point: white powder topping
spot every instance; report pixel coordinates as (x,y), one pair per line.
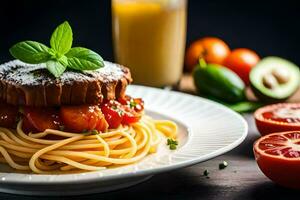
(21,73)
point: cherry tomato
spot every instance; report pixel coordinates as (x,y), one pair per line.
(8,115)
(278,157)
(113,113)
(135,103)
(122,111)
(130,116)
(241,62)
(83,118)
(278,117)
(43,118)
(211,49)
(102,125)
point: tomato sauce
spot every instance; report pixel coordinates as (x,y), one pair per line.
(79,118)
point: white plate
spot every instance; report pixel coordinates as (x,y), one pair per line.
(206,130)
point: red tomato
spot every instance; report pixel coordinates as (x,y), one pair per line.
(135,103)
(43,118)
(278,117)
(83,118)
(211,49)
(8,115)
(113,113)
(102,125)
(130,116)
(278,157)
(241,61)
(117,113)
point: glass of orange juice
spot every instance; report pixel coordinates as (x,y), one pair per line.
(149,37)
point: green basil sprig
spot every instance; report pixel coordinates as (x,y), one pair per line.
(60,55)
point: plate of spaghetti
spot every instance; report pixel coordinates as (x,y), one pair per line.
(120,157)
(71,124)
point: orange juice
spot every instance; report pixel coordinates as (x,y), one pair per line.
(149,37)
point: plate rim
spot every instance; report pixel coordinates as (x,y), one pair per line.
(144,172)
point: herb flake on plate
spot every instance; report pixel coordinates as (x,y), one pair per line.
(172,143)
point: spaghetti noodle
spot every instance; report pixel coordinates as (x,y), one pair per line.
(54,151)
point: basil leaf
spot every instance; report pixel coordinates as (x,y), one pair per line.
(30,52)
(60,56)
(64,61)
(80,58)
(56,68)
(62,38)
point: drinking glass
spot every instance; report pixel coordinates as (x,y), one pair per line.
(149,37)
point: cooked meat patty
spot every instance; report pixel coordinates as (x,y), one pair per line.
(33,85)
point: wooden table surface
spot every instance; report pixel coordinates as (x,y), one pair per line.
(241,180)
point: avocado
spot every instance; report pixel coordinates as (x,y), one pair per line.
(274,79)
(219,82)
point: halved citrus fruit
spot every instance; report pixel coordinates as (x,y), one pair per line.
(278,157)
(277,118)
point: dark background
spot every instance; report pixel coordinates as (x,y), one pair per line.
(270,28)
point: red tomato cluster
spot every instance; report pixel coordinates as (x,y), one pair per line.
(75,118)
(215,50)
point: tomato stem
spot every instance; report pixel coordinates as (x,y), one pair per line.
(202,63)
